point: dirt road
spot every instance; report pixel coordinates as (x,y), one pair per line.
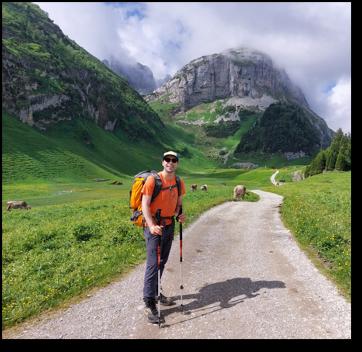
(244,277)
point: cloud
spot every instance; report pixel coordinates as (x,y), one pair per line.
(311,41)
(94,26)
(338,106)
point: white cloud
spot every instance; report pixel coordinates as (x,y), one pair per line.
(339,105)
(312,41)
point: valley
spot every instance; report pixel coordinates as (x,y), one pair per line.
(74,133)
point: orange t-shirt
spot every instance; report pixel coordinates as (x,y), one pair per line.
(166,199)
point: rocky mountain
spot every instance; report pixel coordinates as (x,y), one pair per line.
(48,78)
(139,77)
(245,74)
(235,82)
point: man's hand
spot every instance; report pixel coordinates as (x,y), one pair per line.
(181,218)
(156,230)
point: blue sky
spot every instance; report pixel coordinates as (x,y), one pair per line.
(135,9)
(311,41)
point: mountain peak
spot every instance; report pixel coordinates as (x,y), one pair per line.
(237,72)
(245,52)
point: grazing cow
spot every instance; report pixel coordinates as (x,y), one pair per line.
(239,192)
(17,204)
(193,187)
(203,188)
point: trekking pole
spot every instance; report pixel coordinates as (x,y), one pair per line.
(158,219)
(181,283)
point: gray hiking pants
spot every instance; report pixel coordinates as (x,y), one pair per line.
(150,288)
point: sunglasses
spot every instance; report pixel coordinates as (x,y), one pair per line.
(171,159)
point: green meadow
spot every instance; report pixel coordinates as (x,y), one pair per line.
(78,236)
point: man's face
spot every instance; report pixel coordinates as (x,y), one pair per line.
(170,163)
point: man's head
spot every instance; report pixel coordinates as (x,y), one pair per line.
(170,161)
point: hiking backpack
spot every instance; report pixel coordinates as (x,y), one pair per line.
(135,195)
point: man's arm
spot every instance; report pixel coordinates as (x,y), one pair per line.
(146,210)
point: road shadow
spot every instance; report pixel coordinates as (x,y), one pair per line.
(222,295)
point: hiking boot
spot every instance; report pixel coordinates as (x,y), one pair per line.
(166,301)
(152,313)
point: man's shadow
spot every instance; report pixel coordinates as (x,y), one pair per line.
(222,295)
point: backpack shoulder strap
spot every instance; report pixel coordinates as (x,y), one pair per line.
(158,186)
(178,182)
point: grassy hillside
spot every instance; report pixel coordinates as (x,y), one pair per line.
(48,78)
(81,150)
(71,157)
(28,155)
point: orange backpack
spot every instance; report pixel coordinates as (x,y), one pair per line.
(135,194)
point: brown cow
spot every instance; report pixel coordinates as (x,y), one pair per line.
(193,187)
(239,192)
(17,204)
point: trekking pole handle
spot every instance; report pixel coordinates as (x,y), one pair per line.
(179,213)
(158,216)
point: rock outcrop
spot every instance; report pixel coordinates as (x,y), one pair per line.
(247,74)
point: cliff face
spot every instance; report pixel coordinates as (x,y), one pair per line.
(47,78)
(245,79)
(242,73)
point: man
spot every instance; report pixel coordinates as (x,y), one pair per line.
(169,202)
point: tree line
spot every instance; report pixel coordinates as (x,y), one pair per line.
(336,157)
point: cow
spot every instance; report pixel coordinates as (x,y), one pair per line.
(17,204)
(203,188)
(239,192)
(193,187)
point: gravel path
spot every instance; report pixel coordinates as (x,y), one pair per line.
(272,178)
(244,277)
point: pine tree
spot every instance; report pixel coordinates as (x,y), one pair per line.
(318,164)
(336,157)
(333,150)
(307,171)
(343,162)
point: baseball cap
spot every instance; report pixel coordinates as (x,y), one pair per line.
(171,153)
